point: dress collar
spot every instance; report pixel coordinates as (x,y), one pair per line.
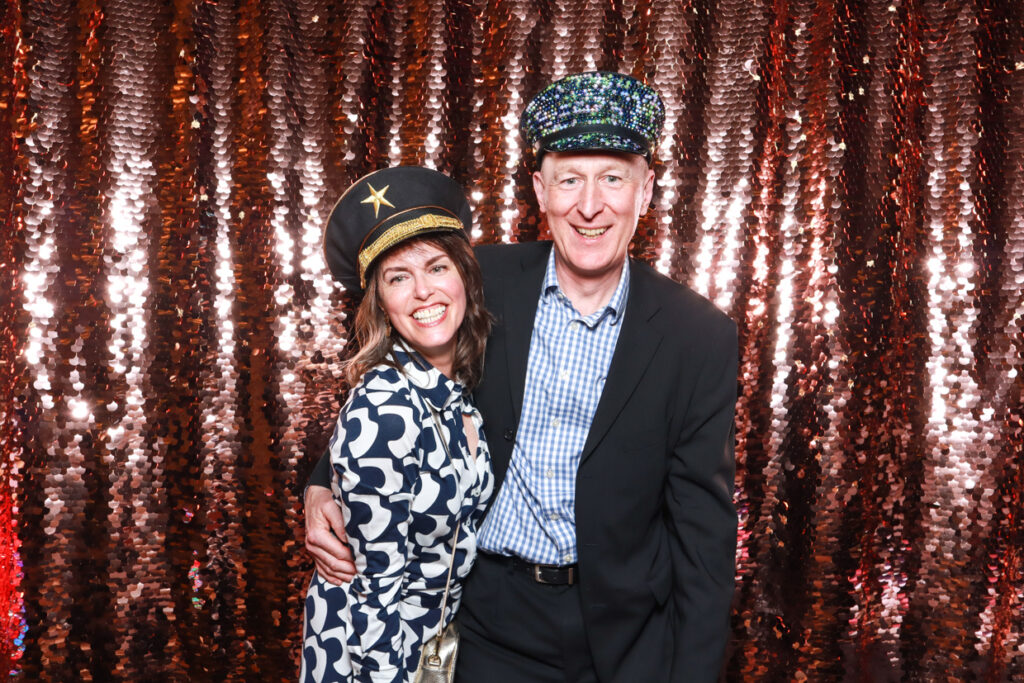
(435,387)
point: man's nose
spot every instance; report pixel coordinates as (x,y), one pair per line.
(590,202)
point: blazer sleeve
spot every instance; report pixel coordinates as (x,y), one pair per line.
(703,522)
(375,460)
(321,474)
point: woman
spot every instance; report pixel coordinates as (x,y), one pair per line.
(400,234)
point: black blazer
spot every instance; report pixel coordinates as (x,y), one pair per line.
(655,522)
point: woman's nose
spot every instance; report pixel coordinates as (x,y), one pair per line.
(423,286)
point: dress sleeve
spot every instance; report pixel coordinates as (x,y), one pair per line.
(375,463)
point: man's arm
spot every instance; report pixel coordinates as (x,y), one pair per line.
(703,529)
(325,527)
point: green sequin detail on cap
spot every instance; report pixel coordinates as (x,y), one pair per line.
(594,99)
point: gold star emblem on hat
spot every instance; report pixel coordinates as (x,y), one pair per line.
(377,198)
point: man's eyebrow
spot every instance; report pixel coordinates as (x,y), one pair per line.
(624,170)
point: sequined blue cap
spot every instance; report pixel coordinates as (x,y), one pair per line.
(598,110)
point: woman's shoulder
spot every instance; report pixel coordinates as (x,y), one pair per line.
(381,381)
(386,384)
(381,408)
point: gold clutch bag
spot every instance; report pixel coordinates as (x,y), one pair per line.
(437,659)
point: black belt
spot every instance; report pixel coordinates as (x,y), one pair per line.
(551,574)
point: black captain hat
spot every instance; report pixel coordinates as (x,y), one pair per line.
(385,208)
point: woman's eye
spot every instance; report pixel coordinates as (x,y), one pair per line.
(439,268)
(395,279)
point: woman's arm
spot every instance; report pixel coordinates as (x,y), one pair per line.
(376,465)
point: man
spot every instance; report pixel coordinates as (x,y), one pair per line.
(608,553)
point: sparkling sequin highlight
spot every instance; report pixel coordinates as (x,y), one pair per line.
(844,179)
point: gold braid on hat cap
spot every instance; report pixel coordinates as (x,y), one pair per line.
(402,231)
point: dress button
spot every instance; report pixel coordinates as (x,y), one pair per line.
(509,434)
(549,474)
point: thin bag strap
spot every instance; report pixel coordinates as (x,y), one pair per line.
(455,541)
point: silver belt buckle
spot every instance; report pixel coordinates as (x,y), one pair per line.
(537,575)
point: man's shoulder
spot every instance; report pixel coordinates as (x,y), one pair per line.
(679,300)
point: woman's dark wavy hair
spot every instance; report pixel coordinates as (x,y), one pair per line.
(374,337)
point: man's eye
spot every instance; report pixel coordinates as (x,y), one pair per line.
(613,179)
(569,182)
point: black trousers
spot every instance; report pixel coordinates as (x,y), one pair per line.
(515,630)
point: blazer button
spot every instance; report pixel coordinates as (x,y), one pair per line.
(509,434)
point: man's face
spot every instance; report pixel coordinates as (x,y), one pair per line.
(592,201)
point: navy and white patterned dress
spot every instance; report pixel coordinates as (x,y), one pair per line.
(402,497)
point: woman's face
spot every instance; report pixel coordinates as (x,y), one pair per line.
(422,294)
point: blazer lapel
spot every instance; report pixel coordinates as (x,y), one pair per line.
(522,291)
(634,350)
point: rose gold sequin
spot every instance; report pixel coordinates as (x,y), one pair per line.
(844,179)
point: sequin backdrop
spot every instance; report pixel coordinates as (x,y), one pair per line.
(844,178)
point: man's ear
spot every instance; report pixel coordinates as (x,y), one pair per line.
(538,191)
(648,190)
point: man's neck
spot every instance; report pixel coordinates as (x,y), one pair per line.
(587,294)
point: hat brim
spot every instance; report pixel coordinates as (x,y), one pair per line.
(594,142)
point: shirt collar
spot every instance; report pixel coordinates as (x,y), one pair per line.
(614,308)
(436,388)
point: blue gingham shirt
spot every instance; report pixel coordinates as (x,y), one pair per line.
(534,514)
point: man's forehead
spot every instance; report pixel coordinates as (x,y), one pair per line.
(590,160)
